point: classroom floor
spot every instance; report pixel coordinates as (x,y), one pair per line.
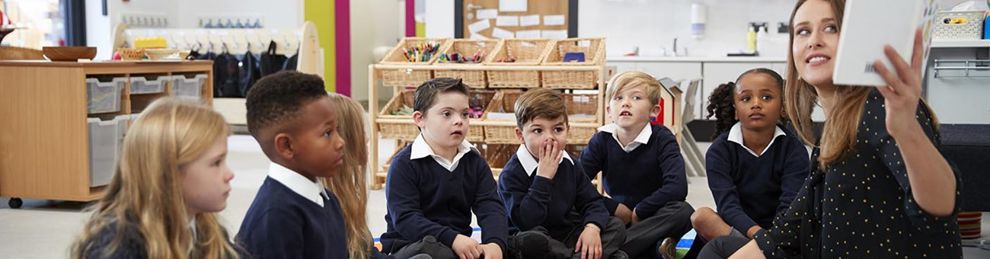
(45,229)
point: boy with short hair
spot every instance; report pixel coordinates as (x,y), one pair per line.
(293,216)
(642,169)
(551,203)
(435,183)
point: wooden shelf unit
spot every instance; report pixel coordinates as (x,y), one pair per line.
(44,149)
(377,173)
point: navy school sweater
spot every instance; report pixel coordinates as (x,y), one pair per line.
(282,224)
(559,205)
(423,198)
(750,190)
(644,179)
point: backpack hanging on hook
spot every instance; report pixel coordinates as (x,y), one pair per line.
(271,61)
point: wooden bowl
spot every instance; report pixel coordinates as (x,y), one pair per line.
(69,53)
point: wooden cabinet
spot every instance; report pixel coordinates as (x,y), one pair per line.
(44,146)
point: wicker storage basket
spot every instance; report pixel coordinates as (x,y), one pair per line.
(472,78)
(497,156)
(593,50)
(480,99)
(968,25)
(499,111)
(409,76)
(582,113)
(525,52)
(398,127)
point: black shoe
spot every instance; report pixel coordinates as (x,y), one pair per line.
(619,254)
(531,244)
(668,248)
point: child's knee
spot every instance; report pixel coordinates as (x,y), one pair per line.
(702,217)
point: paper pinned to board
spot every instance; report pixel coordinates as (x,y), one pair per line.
(554,34)
(553,20)
(479,26)
(478,36)
(513,5)
(502,34)
(487,14)
(507,20)
(529,20)
(528,34)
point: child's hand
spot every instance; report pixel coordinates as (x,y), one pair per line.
(466,248)
(623,213)
(589,245)
(491,251)
(550,155)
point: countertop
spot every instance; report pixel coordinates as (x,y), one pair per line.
(695,59)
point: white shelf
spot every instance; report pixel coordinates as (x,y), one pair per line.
(960,44)
(725,59)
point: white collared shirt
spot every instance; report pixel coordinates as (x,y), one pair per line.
(529,162)
(735,135)
(311,190)
(420,150)
(641,139)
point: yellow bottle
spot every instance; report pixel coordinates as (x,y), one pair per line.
(751,40)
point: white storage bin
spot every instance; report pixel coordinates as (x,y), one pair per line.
(104,97)
(105,141)
(149,84)
(188,86)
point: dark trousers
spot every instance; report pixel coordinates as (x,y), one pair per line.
(426,248)
(539,243)
(723,247)
(643,238)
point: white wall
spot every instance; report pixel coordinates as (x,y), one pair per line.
(652,25)
(439,18)
(99,30)
(118,8)
(374,24)
(274,14)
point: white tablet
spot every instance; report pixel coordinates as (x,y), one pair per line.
(868,25)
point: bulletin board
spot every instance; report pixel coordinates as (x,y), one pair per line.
(496,19)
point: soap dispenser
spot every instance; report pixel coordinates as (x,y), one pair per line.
(751,39)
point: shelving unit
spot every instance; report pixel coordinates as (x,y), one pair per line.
(44,146)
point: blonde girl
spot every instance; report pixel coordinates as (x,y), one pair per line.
(171,180)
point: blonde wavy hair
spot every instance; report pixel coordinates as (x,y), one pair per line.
(349,185)
(146,190)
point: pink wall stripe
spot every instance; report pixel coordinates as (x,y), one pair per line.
(410,18)
(342,25)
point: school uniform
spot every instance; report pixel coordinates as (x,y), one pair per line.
(751,188)
(131,243)
(647,176)
(293,217)
(558,208)
(430,200)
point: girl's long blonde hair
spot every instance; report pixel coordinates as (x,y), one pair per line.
(349,184)
(146,190)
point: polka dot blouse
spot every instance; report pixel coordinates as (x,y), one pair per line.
(861,206)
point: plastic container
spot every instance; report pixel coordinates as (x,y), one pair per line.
(188,87)
(149,84)
(958,25)
(105,141)
(102,96)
